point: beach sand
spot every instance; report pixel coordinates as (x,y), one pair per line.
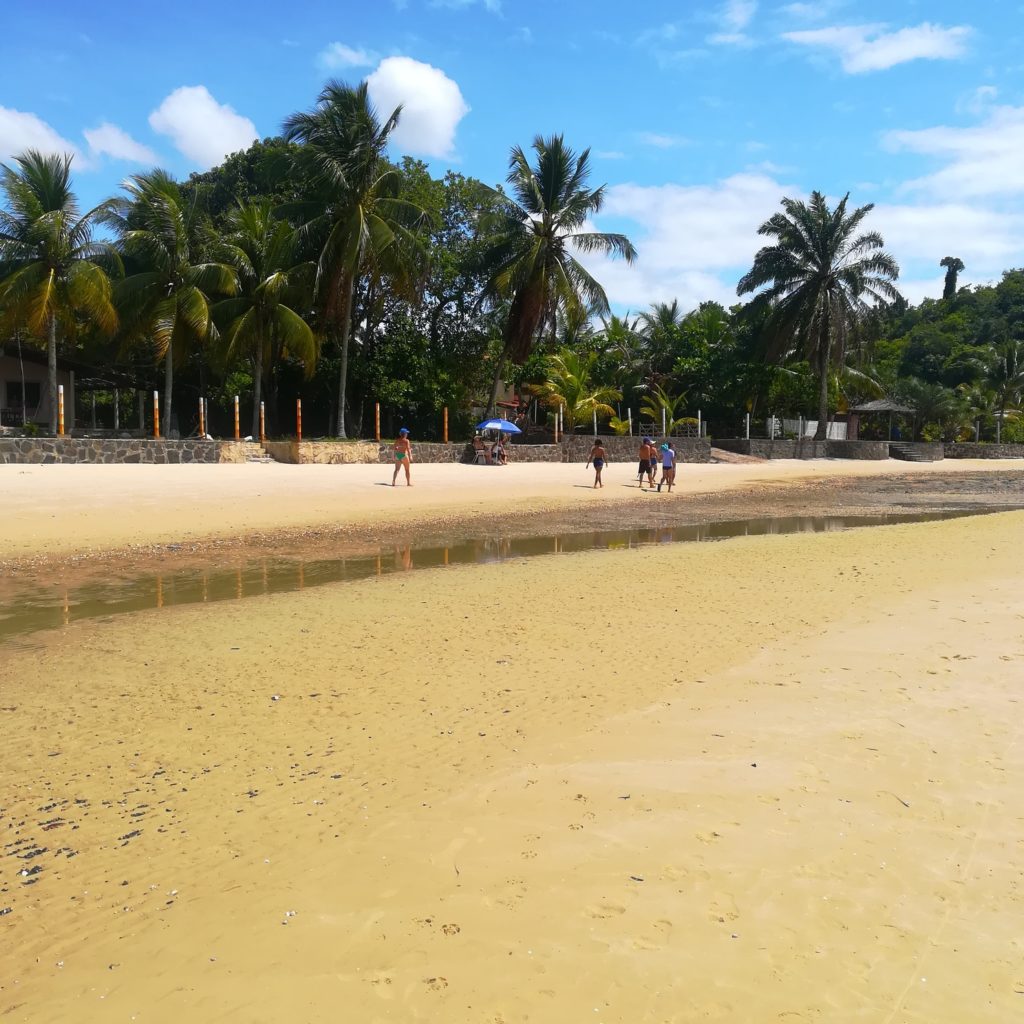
(769,779)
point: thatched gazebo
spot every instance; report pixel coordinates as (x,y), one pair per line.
(884,405)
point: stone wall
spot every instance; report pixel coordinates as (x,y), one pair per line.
(870,450)
(763,448)
(983,450)
(106,451)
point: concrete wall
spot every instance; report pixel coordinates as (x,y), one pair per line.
(108,452)
(983,450)
(804,448)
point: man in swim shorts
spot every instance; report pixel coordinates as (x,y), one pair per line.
(403,456)
(597,456)
(644,467)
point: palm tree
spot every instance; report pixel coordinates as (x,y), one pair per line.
(53,275)
(660,401)
(258,322)
(818,274)
(167,298)
(539,225)
(933,403)
(1005,376)
(357,221)
(569,386)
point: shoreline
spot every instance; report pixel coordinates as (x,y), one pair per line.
(128,518)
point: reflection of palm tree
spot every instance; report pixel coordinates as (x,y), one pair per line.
(569,386)
(818,274)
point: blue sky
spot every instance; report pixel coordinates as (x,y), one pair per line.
(700,116)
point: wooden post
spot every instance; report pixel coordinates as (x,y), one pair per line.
(142,413)
(92,395)
(630,411)
(446,424)
(60,410)
(699,421)
(117,409)
(664,422)
(595,423)
(298,419)
(238,433)
(376,420)
(202,419)
(156,415)
(748,426)
(263,422)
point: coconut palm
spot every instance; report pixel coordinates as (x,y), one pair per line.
(53,268)
(357,221)
(1004,375)
(539,226)
(659,402)
(817,278)
(259,323)
(569,386)
(167,297)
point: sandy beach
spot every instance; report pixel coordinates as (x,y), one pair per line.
(473,794)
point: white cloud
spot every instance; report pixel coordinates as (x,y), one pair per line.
(661,141)
(977,101)
(494,6)
(116,143)
(864,48)
(432,104)
(336,56)
(734,17)
(201,128)
(610,154)
(983,160)
(20,130)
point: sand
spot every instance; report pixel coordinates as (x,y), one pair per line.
(768,779)
(63,510)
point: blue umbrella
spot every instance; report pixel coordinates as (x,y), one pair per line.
(496,424)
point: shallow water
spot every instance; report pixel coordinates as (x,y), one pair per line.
(30,608)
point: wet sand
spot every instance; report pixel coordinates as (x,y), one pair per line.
(475,799)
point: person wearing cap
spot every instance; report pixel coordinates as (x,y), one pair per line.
(668,465)
(403,456)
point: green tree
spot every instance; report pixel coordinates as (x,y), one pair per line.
(166,294)
(533,267)
(953,267)
(816,279)
(259,323)
(356,220)
(664,407)
(1004,375)
(570,386)
(53,268)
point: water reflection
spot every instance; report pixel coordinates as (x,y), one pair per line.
(28,608)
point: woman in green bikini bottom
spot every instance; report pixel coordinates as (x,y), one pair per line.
(403,456)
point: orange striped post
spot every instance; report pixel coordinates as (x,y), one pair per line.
(202,419)
(238,433)
(263,422)
(376,420)
(298,419)
(446,424)
(156,415)
(60,410)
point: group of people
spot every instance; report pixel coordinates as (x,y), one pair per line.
(495,454)
(650,455)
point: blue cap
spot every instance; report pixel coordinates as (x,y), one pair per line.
(404,430)
(647,439)
(665,447)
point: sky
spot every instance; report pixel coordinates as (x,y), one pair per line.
(700,116)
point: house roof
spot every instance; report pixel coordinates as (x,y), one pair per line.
(882,405)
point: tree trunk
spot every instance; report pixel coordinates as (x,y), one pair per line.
(51,371)
(822,432)
(257,390)
(491,405)
(168,391)
(345,328)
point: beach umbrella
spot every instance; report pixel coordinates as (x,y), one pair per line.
(495,424)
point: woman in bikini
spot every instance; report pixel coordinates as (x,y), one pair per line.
(403,456)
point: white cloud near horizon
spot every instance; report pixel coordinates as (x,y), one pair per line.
(432,105)
(110,140)
(21,130)
(336,56)
(202,129)
(986,159)
(863,48)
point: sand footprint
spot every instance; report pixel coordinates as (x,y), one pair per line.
(605,909)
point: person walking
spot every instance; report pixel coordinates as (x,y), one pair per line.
(597,456)
(668,466)
(645,456)
(403,456)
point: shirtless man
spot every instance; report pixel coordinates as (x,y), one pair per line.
(644,468)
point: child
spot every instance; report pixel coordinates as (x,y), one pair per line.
(597,456)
